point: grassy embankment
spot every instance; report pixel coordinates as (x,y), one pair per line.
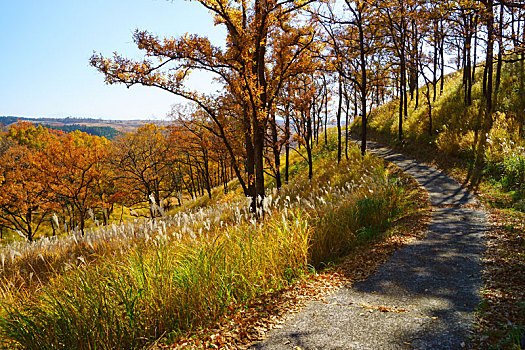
(125,286)
(451,147)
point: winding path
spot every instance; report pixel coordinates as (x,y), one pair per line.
(423,297)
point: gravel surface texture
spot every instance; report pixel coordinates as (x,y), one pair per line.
(423,297)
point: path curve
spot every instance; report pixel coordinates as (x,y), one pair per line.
(423,297)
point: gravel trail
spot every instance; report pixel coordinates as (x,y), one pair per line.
(423,297)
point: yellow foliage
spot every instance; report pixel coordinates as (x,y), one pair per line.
(454,143)
(503,138)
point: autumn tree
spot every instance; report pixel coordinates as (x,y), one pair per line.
(354,42)
(143,163)
(304,91)
(200,140)
(264,48)
(395,18)
(26,197)
(73,164)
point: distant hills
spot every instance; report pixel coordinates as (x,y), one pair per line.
(98,127)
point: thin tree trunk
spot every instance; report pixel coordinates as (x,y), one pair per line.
(276,152)
(29,221)
(338,117)
(346,123)
(442,55)
(429,111)
(500,54)
(259,162)
(437,40)
(82,220)
(326,116)
(475,59)
(467,73)
(207,179)
(400,126)
(287,144)
(250,156)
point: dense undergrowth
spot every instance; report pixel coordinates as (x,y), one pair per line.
(500,319)
(126,286)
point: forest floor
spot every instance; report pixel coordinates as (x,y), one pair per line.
(423,297)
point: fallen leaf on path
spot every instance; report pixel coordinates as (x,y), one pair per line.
(384,309)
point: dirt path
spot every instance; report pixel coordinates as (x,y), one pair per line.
(423,297)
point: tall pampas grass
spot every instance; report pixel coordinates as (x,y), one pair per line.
(124,286)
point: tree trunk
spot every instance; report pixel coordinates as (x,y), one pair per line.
(307,117)
(489,60)
(191,177)
(29,221)
(82,217)
(347,95)
(500,53)
(429,111)
(250,156)
(287,144)
(437,40)
(442,55)
(364,87)
(276,152)
(467,75)
(207,179)
(521,116)
(338,117)
(326,116)
(475,58)
(401,101)
(259,163)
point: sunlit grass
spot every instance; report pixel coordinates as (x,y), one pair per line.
(125,286)
(452,144)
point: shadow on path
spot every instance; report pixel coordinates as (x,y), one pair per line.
(433,284)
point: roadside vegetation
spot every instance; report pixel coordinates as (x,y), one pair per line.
(161,230)
(126,286)
(453,146)
(453,142)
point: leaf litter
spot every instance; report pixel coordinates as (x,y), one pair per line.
(500,320)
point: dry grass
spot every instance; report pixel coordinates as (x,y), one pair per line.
(125,286)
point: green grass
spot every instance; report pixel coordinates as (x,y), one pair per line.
(196,266)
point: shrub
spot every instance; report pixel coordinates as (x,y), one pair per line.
(514,174)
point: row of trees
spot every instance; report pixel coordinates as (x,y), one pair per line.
(283,58)
(402,44)
(285,64)
(48,176)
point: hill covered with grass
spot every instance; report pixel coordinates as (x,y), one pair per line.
(452,140)
(127,286)
(451,145)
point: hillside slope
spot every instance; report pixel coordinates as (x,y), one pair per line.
(451,146)
(452,140)
(125,286)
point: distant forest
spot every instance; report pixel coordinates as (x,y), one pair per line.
(10,120)
(105,131)
(71,124)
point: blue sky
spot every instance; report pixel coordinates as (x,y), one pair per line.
(46,46)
